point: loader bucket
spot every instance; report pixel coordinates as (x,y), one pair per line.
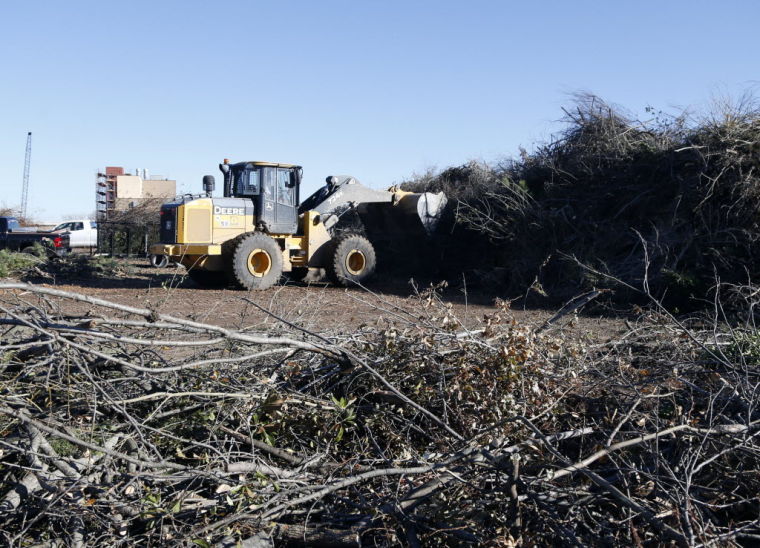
(426,206)
(412,215)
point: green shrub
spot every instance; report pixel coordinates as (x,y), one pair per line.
(38,250)
(85,266)
(744,348)
(13,264)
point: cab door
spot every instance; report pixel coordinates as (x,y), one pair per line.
(286,210)
(77,235)
(268,213)
(278,207)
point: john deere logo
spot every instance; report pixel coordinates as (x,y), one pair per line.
(218,210)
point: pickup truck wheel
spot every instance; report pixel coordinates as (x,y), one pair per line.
(255,261)
(31,250)
(158,261)
(210,279)
(353,260)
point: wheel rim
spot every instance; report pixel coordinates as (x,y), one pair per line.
(259,263)
(159,261)
(355,262)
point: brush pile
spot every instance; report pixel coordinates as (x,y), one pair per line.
(14,264)
(78,266)
(673,201)
(50,267)
(123,426)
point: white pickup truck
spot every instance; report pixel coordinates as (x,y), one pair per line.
(83,233)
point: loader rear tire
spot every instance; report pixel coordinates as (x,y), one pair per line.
(353,260)
(209,279)
(255,261)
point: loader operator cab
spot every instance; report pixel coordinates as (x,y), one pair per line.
(272,188)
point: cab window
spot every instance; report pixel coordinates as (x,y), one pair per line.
(284,189)
(247,182)
(269,183)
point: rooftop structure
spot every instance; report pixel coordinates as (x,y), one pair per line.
(117,191)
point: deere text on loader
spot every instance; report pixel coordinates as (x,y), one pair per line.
(261,229)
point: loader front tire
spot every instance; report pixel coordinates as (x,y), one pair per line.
(256,261)
(353,260)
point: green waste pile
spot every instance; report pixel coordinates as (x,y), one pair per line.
(672,203)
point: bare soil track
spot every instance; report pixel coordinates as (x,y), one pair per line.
(318,307)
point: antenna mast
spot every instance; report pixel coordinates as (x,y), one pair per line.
(25,184)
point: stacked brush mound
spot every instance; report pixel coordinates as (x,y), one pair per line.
(671,201)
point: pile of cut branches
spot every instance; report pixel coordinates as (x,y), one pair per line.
(123,425)
(675,199)
(48,266)
(17,265)
(78,266)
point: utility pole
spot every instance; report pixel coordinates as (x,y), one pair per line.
(25,184)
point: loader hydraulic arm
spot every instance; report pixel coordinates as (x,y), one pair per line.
(380,209)
(341,191)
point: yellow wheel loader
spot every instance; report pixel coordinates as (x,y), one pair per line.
(261,229)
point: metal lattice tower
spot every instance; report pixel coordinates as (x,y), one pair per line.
(25,184)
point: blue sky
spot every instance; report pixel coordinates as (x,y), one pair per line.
(378,90)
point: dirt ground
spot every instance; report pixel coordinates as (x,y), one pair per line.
(318,307)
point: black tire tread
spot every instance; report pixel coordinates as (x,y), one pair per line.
(336,270)
(233,252)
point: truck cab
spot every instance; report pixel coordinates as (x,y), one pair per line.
(17,238)
(11,224)
(83,233)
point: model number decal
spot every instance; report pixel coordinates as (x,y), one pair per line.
(227,221)
(332,199)
(218,210)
